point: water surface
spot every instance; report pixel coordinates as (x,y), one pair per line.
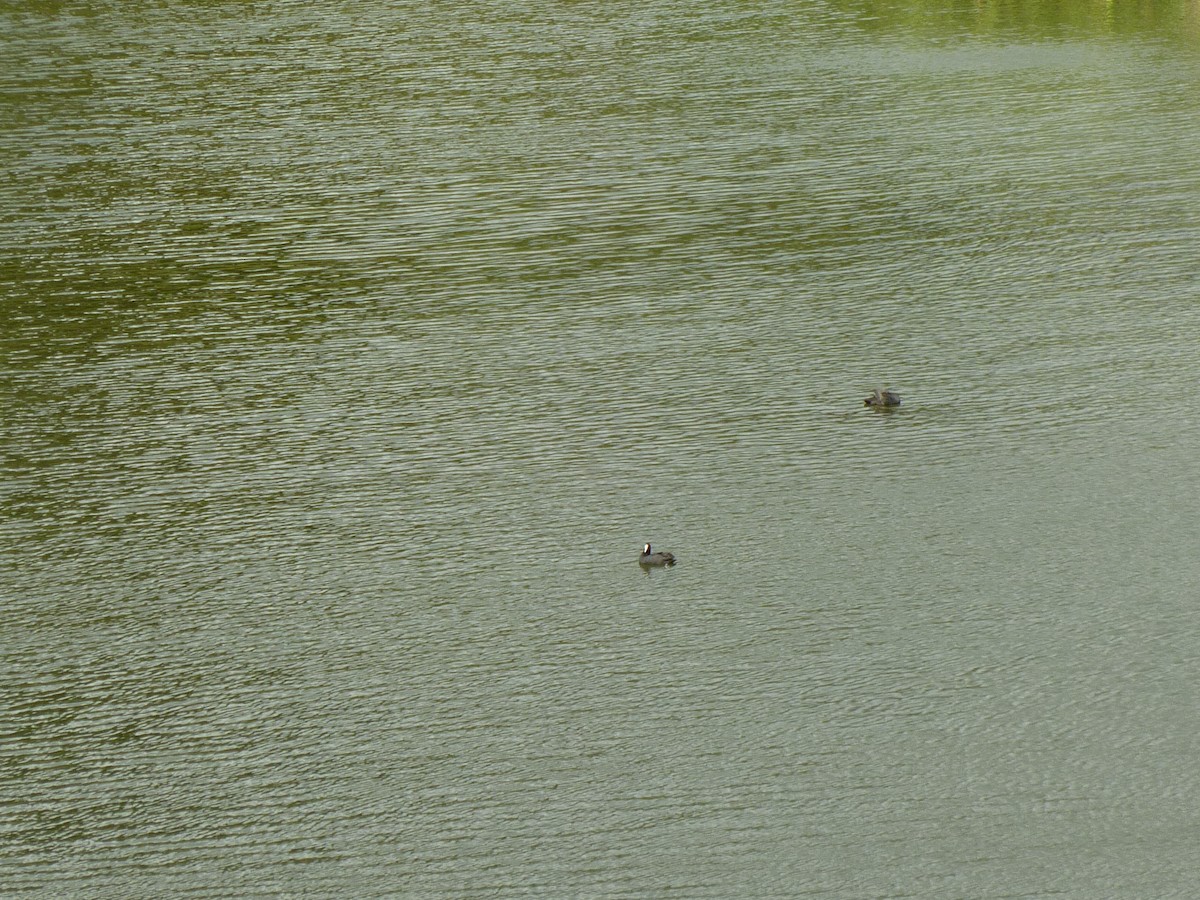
(351,354)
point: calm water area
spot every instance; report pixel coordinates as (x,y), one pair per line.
(349,353)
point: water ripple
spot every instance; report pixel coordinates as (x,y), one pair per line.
(348,361)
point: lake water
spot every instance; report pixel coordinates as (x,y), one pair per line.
(350,352)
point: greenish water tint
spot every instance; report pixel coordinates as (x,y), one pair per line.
(350,354)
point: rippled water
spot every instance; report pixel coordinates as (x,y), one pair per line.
(351,353)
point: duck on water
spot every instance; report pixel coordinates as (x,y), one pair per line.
(882,399)
(650,558)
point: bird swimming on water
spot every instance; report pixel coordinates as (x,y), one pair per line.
(882,398)
(650,558)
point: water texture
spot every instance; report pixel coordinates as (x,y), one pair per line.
(350,352)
